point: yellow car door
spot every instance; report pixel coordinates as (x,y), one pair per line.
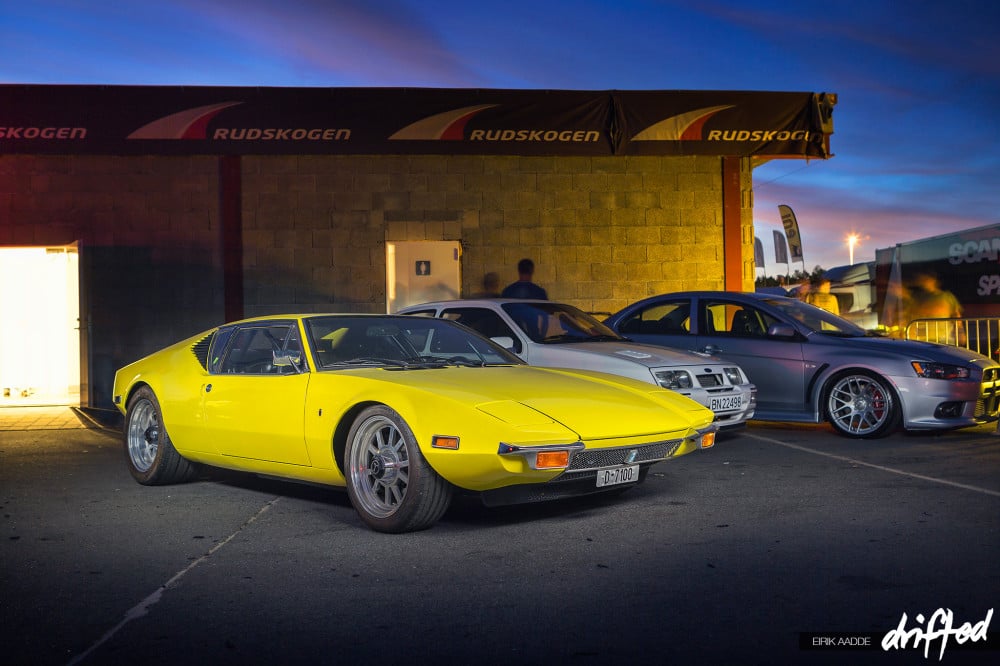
(254,403)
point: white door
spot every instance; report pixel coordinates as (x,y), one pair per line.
(39,326)
(422,271)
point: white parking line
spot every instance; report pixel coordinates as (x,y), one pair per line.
(143,606)
(891,470)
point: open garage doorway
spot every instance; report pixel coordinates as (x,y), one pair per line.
(39,326)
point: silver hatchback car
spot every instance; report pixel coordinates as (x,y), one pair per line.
(810,365)
(550,334)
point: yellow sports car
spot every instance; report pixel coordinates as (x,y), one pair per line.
(403,411)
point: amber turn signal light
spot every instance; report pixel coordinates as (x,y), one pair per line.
(551,459)
(708,440)
(444,442)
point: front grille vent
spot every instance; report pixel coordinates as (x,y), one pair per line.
(707,381)
(595,458)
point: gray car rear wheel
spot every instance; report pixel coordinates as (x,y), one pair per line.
(862,405)
(391,485)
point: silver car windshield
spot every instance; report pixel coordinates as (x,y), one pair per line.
(816,319)
(557,323)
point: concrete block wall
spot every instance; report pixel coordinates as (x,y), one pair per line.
(148,236)
(603,232)
(147,228)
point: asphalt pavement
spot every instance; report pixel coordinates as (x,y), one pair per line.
(747,553)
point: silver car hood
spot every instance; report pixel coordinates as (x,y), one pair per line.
(576,354)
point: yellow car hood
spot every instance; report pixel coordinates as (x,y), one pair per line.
(593,405)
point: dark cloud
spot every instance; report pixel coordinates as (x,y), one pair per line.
(360,42)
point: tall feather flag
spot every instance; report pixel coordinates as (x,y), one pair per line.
(758,252)
(780,249)
(892,308)
(792,231)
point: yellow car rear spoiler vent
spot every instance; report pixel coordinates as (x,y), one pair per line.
(200,350)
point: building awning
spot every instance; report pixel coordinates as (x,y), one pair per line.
(184,120)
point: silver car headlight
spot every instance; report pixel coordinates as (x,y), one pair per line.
(734,375)
(673,379)
(940,370)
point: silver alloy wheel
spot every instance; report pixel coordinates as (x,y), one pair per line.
(859,405)
(379,466)
(143,435)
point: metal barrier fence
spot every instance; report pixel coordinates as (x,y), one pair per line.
(979,335)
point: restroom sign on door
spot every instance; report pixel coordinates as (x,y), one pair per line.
(423,267)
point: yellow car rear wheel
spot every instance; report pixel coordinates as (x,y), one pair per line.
(391,485)
(149,453)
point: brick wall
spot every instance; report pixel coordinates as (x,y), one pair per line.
(603,232)
(148,235)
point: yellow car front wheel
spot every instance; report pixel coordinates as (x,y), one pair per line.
(389,482)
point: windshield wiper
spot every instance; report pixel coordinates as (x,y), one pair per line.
(461,360)
(838,334)
(565,337)
(569,337)
(395,364)
(371,360)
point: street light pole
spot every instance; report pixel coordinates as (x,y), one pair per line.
(852,240)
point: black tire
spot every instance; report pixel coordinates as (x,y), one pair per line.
(149,454)
(861,405)
(391,485)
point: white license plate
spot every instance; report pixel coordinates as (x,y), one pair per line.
(726,403)
(612,476)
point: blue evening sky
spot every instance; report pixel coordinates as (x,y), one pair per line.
(917,126)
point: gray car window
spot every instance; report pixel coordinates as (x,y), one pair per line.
(736,319)
(672,318)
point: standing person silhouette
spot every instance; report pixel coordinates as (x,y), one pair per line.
(524,287)
(491,286)
(939,309)
(930,301)
(820,296)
